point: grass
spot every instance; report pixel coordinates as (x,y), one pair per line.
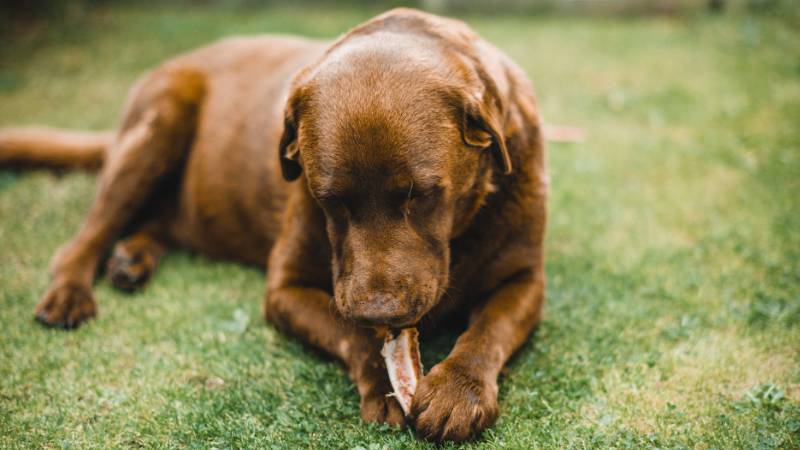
(673,314)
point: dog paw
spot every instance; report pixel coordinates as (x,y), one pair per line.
(130,271)
(382,408)
(454,403)
(66,305)
(374,387)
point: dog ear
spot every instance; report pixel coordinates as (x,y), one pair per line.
(289,151)
(481,128)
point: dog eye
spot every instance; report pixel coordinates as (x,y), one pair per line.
(325,199)
(332,203)
(420,197)
(413,195)
(427,193)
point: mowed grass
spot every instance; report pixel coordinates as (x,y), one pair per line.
(673,310)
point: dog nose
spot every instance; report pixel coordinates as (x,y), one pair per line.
(382,309)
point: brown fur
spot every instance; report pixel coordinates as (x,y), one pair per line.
(420,194)
(54,149)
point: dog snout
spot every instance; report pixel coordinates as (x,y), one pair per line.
(382,309)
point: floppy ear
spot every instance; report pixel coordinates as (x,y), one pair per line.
(482,129)
(289,151)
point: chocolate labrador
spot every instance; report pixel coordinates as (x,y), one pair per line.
(397,173)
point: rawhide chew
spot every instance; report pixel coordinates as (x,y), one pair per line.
(401,354)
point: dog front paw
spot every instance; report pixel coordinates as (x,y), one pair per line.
(379,407)
(454,402)
(376,404)
(130,271)
(66,305)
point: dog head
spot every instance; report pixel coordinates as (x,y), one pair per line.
(398,135)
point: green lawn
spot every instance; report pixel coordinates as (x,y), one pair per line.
(673,311)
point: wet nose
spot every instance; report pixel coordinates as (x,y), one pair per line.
(382,309)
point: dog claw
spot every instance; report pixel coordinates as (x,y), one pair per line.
(66,306)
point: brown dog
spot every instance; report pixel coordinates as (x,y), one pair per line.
(421,193)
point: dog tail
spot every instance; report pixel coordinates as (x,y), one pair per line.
(561,133)
(50,148)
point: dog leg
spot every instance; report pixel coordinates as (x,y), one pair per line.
(134,259)
(457,399)
(154,140)
(306,313)
(298,302)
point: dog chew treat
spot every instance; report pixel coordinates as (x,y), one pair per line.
(401,354)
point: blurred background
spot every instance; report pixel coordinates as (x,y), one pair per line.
(38,8)
(673,253)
